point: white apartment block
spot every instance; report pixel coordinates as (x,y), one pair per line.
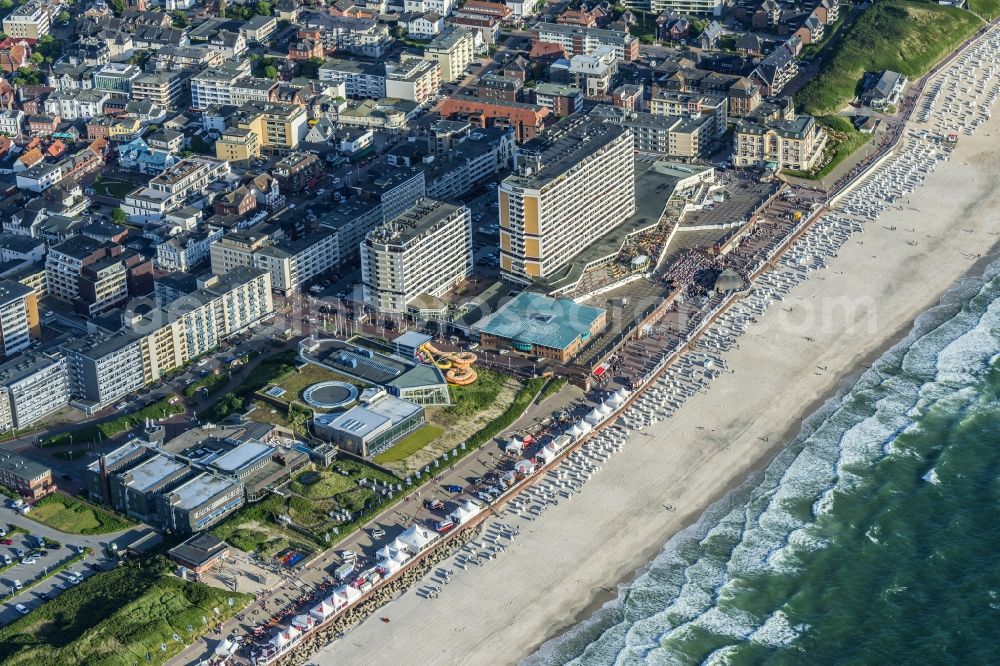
(289,263)
(186,250)
(702,7)
(77,104)
(414,80)
(103,369)
(31,20)
(18,317)
(577,40)
(214,85)
(11,122)
(361,80)
(594,73)
(423,252)
(173,186)
(442,7)
(575,183)
(32,386)
(454,50)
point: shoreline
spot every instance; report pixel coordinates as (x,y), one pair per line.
(718,440)
(638,565)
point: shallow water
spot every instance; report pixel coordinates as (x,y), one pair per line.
(873,537)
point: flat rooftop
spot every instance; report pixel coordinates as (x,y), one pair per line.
(359,362)
(199,490)
(147,475)
(22,467)
(242,456)
(424,217)
(561,147)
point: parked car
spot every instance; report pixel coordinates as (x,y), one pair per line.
(21,608)
(453,488)
(378,533)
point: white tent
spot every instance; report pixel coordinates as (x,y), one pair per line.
(464,511)
(622,394)
(225,648)
(323,610)
(385,553)
(594,417)
(390,565)
(584,426)
(514,446)
(285,637)
(523,467)
(418,537)
(303,622)
(604,409)
(614,401)
(574,431)
(547,455)
(339,598)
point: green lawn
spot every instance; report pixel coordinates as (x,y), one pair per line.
(211,382)
(410,444)
(296,381)
(554,385)
(108,429)
(73,517)
(842,141)
(907,37)
(467,400)
(119,617)
(987,9)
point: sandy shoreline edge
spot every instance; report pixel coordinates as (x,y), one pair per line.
(848,377)
(570,561)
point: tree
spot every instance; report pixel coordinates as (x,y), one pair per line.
(263,8)
(63,17)
(37,58)
(6,4)
(271,72)
(118,216)
(117,7)
(179,20)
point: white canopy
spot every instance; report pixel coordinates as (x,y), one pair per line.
(584,427)
(547,454)
(594,417)
(417,537)
(514,445)
(622,394)
(604,409)
(353,594)
(303,622)
(322,610)
(390,565)
(464,511)
(613,401)
(574,431)
(285,636)
(340,597)
(523,467)
(225,648)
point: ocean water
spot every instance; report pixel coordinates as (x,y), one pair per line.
(874,538)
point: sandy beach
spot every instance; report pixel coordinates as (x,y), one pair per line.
(576,553)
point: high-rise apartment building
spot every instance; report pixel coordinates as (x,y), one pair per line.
(574,183)
(423,252)
(18,317)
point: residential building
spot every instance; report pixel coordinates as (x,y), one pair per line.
(279,126)
(40,177)
(11,123)
(454,50)
(22,475)
(423,252)
(795,144)
(363,37)
(499,87)
(103,368)
(253,89)
(362,80)
(884,90)
(574,183)
(415,80)
(259,28)
(214,85)
(164,88)
(78,104)
(31,20)
(186,250)
(171,189)
(32,386)
(116,79)
(440,7)
(290,263)
(18,317)
(526,120)
(585,41)
(595,73)
(696,7)
(666,103)
(92,275)
(297,171)
(561,100)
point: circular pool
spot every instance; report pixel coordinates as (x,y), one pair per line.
(330,395)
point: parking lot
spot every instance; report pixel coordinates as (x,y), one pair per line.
(29,562)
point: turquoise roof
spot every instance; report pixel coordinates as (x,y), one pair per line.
(536,319)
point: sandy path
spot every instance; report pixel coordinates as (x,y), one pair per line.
(870,293)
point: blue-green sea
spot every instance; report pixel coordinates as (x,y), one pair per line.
(874,538)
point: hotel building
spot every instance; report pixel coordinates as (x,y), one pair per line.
(574,183)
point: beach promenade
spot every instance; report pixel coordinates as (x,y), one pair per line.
(573,556)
